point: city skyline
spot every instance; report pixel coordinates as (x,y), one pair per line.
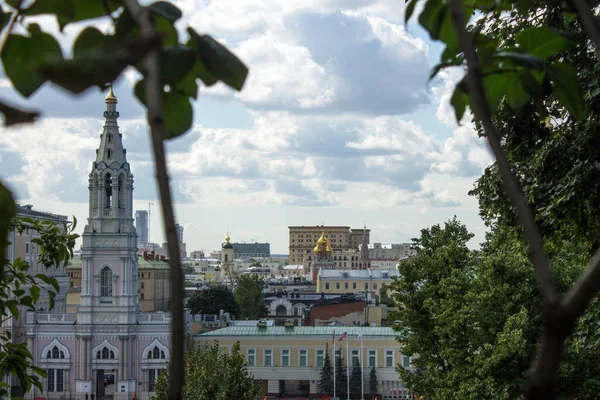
(313,138)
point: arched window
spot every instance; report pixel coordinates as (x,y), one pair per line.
(108,191)
(109,138)
(162,354)
(55,353)
(108,154)
(98,355)
(226,257)
(150,354)
(155,352)
(281,310)
(106,282)
(104,353)
(112,355)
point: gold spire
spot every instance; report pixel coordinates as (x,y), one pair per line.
(110,97)
(227,238)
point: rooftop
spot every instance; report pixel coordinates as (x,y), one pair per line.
(327,331)
(28,211)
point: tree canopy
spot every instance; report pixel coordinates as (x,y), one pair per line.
(326,378)
(213,300)
(249,295)
(211,373)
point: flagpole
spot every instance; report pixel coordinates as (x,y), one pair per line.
(362,377)
(334,362)
(348,368)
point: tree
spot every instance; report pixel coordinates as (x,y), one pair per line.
(521,71)
(356,377)
(212,374)
(373,381)
(213,300)
(326,381)
(384,296)
(145,38)
(189,270)
(20,289)
(249,295)
(341,384)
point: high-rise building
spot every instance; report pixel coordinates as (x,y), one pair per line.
(182,246)
(141,226)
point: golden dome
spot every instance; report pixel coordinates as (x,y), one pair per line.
(328,248)
(110,97)
(322,239)
(322,244)
(227,238)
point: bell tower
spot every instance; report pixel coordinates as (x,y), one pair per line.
(109,251)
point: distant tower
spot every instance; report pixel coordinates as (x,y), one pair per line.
(141,226)
(323,257)
(227,258)
(182,247)
(364,262)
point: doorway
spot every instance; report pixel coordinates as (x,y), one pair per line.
(105,384)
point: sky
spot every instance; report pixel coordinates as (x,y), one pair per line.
(337,124)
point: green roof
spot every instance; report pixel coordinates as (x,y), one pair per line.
(142,264)
(327,331)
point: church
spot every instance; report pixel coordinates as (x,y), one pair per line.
(109,348)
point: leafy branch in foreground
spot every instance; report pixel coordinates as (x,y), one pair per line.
(528,68)
(20,289)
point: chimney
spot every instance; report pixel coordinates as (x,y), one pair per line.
(145,255)
(152,255)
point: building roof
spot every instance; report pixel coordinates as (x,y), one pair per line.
(293,267)
(28,211)
(76,263)
(358,273)
(328,331)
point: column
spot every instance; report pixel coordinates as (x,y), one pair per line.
(121,357)
(126,358)
(115,196)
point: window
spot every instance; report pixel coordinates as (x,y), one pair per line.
(355,358)
(337,285)
(406,361)
(366,285)
(389,358)
(303,357)
(106,282)
(151,379)
(141,285)
(353,285)
(320,358)
(326,285)
(374,286)
(346,285)
(251,357)
(372,358)
(55,381)
(27,247)
(285,358)
(268,359)
(109,138)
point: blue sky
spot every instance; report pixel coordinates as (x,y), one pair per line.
(336,124)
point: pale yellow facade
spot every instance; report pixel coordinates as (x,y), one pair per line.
(350,284)
(291,358)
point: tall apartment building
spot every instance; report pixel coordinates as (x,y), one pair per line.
(182,246)
(303,239)
(141,226)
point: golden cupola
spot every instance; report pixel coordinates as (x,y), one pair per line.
(322,244)
(110,97)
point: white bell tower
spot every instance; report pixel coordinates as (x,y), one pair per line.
(109,252)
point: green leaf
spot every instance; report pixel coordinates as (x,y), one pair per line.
(525,60)
(7,205)
(22,57)
(165,9)
(68,11)
(12,306)
(410,8)
(494,89)
(459,101)
(95,67)
(4,19)
(175,63)
(219,61)
(35,293)
(13,116)
(166,30)
(177,110)
(89,39)
(187,86)
(49,280)
(566,88)
(542,42)
(516,95)
(432,17)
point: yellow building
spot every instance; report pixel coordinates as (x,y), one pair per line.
(290,358)
(303,239)
(154,284)
(353,281)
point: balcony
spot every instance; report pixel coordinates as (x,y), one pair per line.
(154,318)
(54,318)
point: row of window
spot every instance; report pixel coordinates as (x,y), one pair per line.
(285,358)
(337,285)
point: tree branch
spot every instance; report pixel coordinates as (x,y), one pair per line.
(511,186)
(153,88)
(590,23)
(586,288)
(544,373)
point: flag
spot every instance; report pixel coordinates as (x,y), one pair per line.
(343,336)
